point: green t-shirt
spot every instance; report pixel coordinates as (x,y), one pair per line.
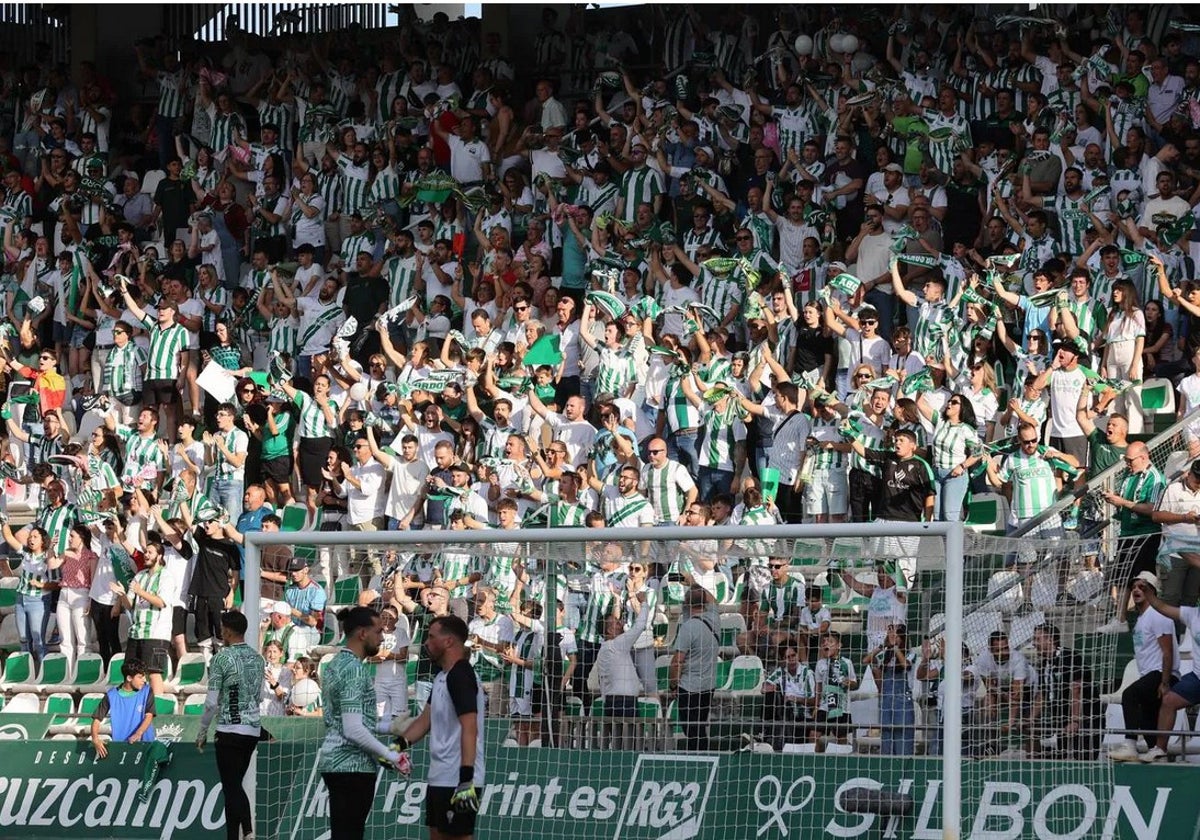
(276,445)
(909,128)
(1103,453)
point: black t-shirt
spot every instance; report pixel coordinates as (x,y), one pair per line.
(215,560)
(1055,678)
(812,345)
(363,297)
(905,487)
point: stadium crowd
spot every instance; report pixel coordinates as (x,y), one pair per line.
(719,268)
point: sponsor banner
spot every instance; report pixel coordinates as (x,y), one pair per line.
(56,789)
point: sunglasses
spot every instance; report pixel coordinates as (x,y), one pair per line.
(867,322)
(1029,442)
(777,565)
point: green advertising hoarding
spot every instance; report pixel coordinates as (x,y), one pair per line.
(58,789)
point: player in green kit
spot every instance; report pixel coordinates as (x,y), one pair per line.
(350,752)
(234,688)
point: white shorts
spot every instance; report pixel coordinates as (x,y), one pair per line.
(828,493)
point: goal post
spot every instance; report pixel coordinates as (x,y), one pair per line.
(937,546)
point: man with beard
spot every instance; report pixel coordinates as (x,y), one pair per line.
(319,319)
(350,754)
(356,174)
(401,276)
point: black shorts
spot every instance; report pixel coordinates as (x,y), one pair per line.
(839,728)
(160,392)
(179,621)
(278,470)
(153,653)
(439,814)
(1076,446)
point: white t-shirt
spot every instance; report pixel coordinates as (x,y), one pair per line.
(1065,388)
(194,308)
(1150,627)
(407,480)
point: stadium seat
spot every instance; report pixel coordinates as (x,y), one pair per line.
(1158,401)
(151,181)
(745,678)
(191,675)
(54,674)
(1176,463)
(573,707)
(325,660)
(165,704)
(724,673)
(89,673)
(1128,678)
(1004,592)
(1020,632)
(89,702)
(345,591)
(10,639)
(732,625)
(662,671)
(60,704)
(293,518)
(598,707)
(24,702)
(18,671)
(649,707)
(987,512)
(978,626)
(8,595)
(114,670)
(194,705)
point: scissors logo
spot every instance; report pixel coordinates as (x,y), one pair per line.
(770,799)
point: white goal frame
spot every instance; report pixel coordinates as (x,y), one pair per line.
(950,533)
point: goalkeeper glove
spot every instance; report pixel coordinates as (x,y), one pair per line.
(465,798)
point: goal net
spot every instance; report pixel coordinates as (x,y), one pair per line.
(831,690)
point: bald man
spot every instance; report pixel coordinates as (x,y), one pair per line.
(1135,503)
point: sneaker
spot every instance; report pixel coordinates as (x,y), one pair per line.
(1123,752)
(1154,754)
(1070,521)
(1113,627)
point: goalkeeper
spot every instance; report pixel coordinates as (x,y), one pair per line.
(453,719)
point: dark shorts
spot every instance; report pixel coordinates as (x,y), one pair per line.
(153,653)
(1076,446)
(278,470)
(839,728)
(439,814)
(179,621)
(160,392)
(1188,688)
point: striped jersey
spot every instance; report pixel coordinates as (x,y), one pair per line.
(172,88)
(166,343)
(33,569)
(57,522)
(719,433)
(639,186)
(150,622)
(216,295)
(1033,486)
(628,511)
(401,276)
(122,372)
(140,452)
(599,605)
(355,184)
(781,602)
(667,487)
(237,442)
(953,443)
(312,417)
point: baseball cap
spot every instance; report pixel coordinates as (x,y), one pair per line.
(296,564)
(282,608)
(894,167)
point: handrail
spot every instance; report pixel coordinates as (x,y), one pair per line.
(1111,472)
